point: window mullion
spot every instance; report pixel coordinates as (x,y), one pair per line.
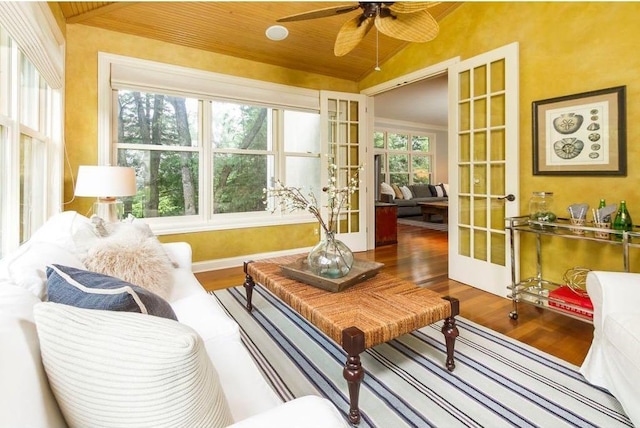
(206,161)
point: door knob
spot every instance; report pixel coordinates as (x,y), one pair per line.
(509,197)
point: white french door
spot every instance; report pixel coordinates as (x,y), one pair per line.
(344,142)
(483,167)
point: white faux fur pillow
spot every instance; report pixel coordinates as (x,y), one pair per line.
(133,256)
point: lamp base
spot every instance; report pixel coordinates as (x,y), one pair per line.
(109,209)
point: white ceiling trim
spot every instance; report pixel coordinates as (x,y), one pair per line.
(424,73)
(380,121)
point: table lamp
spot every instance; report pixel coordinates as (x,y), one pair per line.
(106,183)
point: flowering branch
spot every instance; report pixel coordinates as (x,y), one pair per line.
(291,199)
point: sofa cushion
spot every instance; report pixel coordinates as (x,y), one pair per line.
(27,400)
(133,255)
(121,369)
(405,202)
(90,290)
(63,239)
(26,267)
(421,190)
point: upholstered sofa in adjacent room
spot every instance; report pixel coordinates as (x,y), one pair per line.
(613,361)
(407,197)
(65,364)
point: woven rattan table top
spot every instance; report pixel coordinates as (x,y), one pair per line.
(383,307)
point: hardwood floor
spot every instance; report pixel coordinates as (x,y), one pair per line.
(421,256)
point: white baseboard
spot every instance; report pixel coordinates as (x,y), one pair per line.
(230,262)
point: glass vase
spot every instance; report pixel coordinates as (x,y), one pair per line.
(330,258)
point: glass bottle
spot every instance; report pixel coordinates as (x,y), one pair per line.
(623,221)
(602,204)
(541,210)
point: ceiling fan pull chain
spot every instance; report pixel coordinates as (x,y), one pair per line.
(377,57)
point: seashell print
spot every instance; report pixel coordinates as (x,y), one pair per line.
(594,117)
(568,148)
(595,147)
(593,127)
(594,111)
(568,123)
(594,136)
(594,155)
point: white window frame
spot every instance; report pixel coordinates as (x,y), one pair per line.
(410,133)
(35,36)
(120,72)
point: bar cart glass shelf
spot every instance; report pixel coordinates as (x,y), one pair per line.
(535,290)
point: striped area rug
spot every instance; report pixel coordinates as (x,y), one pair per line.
(497,382)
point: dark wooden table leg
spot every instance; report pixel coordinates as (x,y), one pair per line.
(353,343)
(450,331)
(248,286)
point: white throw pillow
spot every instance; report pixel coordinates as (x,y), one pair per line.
(124,369)
(406,193)
(133,256)
(387,189)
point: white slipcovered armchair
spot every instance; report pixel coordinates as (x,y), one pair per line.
(613,361)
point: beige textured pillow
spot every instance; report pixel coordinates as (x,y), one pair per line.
(397,191)
(133,256)
(123,369)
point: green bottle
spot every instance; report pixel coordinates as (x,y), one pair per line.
(602,204)
(622,220)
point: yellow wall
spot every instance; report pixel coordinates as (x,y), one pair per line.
(81,126)
(565,48)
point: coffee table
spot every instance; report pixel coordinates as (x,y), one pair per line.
(360,317)
(429,208)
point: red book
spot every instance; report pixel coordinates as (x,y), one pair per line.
(564,296)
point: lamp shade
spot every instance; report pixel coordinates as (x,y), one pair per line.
(105,181)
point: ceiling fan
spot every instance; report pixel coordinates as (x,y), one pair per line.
(408,21)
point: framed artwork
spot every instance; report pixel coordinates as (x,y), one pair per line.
(582,134)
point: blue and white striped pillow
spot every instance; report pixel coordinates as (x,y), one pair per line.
(90,290)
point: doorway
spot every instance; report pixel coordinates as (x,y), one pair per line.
(415,105)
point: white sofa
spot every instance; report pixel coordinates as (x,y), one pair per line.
(613,361)
(27,400)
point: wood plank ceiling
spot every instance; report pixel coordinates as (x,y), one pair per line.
(238,29)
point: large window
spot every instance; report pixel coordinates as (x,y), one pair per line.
(30,132)
(407,158)
(207,161)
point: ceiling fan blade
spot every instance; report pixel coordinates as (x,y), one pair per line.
(413,27)
(351,33)
(320,13)
(411,7)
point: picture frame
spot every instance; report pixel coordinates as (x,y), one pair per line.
(583,134)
